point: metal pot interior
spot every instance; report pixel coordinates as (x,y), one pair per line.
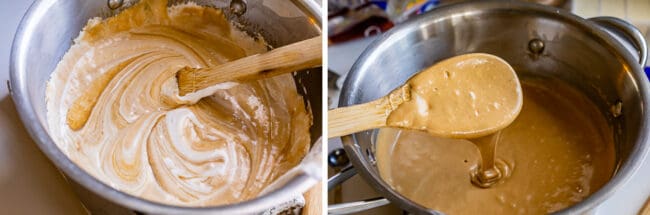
(575,51)
(47,32)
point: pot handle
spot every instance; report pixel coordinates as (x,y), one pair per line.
(356,207)
(626,33)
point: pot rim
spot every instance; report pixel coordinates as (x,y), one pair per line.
(19,93)
(624,173)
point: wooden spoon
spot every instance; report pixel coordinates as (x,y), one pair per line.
(301,55)
(466,96)
(646,208)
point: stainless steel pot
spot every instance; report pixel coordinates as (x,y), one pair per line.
(602,57)
(45,34)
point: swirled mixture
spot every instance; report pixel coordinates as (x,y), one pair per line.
(114,109)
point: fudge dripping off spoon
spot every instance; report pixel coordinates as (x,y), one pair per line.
(471,96)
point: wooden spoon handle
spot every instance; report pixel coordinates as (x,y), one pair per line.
(301,55)
(352,119)
(646,208)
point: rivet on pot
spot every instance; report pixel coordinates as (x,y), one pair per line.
(115,4)
(371,157)
(536,46)
(616,109)
(238,7)
(338,159)
(9,87)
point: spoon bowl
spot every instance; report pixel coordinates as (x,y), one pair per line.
(466,96)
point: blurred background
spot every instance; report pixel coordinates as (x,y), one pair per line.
(354,24)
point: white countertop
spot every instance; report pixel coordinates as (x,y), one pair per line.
(29,182)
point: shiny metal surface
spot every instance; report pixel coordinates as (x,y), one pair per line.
(342,176)
(355,207)
(601,63)
(45,34)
